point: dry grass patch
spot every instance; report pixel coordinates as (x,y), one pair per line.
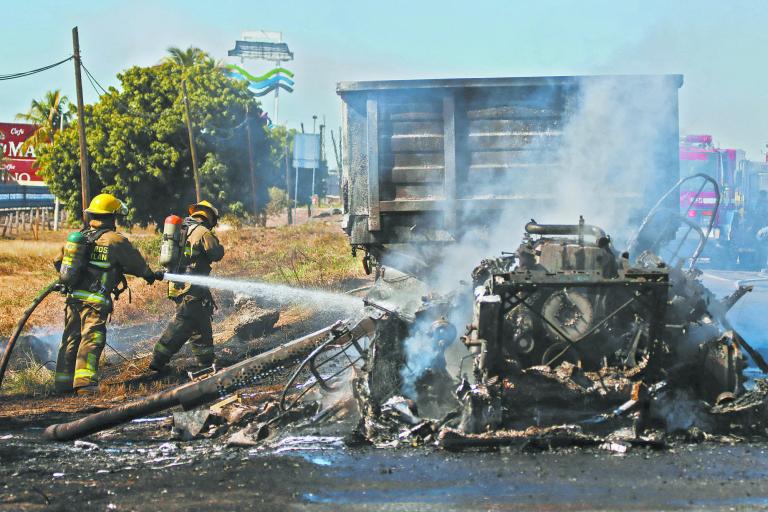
(315,255)
(32,379)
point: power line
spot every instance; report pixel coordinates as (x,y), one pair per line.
(93,79)
(23,74)
(90,79)
(127,109)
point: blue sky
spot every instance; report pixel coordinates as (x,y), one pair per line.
(719,46)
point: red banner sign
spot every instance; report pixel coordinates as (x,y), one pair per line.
(19,159)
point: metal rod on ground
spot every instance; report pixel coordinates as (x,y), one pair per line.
(118,353)
(192,149)
(196,393)
(84,166)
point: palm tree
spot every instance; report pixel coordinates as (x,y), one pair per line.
(189,57)
(49,115)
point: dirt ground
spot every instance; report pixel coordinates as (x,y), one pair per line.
(139,469)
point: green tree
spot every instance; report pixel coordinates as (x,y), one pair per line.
(48,115)
(139,149)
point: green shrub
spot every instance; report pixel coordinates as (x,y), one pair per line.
(149,246)
(278,201)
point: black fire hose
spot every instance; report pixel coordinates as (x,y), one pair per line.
(53,286)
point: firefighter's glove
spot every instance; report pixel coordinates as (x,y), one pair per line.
(151,277)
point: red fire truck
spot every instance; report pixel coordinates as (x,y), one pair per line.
(734,242)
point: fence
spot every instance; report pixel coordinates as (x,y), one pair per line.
(30,219)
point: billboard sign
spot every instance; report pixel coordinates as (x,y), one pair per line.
(306,150)
(19,160)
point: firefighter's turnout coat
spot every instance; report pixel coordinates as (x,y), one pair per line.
(89,304)
(192,321)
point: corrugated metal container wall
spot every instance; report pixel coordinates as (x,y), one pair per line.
(421,154)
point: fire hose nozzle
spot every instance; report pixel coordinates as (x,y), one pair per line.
(159,275)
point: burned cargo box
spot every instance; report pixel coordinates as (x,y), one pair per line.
(427,161)
(568,299)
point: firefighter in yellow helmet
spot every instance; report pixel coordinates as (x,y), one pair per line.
(90,298)
(195,305)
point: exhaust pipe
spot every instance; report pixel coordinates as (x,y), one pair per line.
(580,229)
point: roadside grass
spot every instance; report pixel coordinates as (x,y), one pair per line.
(315,254)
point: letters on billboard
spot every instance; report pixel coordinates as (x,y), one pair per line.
(19,159)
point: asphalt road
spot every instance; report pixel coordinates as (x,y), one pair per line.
(142,468)
(750,315)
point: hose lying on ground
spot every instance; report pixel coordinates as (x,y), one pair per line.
(54,286)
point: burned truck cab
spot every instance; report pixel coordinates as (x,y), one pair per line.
(569,297)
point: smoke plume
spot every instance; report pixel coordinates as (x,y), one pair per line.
(611,160)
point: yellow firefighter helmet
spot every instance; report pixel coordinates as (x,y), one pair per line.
(107,204)
(205,209)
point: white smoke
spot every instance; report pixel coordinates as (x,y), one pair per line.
(612,146)
(421,355)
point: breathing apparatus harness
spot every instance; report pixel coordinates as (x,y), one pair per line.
(80,254)
(175,251)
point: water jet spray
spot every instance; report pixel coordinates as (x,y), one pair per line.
(274,292)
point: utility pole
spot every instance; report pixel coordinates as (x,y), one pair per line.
(288,179)
(85,185)
(277,98)
(254,190)
(192,149)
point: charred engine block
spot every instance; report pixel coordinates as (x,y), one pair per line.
(566,299)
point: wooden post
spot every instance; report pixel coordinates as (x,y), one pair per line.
(56,218)
(84,167)
(251,165)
